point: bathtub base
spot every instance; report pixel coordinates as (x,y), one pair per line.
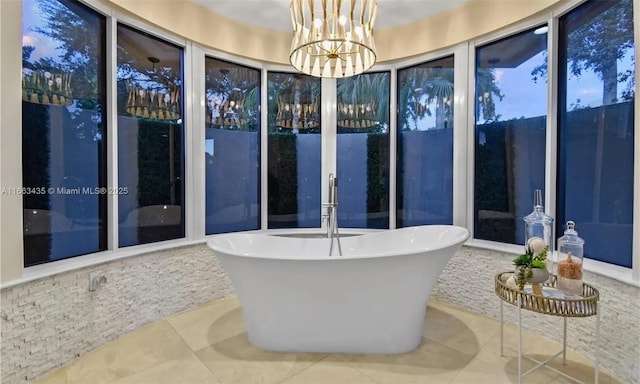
(370,337)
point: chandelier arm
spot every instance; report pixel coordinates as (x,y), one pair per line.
(323,48)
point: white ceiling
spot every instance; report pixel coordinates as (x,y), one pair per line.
(274,14)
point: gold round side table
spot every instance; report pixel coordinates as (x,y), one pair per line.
(552,302)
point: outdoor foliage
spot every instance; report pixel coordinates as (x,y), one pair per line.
(283,174)
(377,180)
(81,51)
(596,44)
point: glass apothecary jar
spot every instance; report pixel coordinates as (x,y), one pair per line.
(570,256)
(539,229)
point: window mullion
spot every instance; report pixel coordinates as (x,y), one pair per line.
(194,143)
(112,134)
(551,145)
(329,138)
(462,109)
(635,258)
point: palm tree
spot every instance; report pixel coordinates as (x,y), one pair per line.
(486,89)
(422,87)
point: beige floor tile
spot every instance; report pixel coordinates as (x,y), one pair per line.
(613,380)
(209,323)
(148,346)
(531,342)
(330,370)
(539,348)
(188,370)
(234,360)
(458,329)
(580,368)
(431,362)
(480,372)
(58,376)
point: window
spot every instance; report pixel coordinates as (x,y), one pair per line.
(596,128)
(363,150)
(232,147)
(63,131)
(510,129)
(150,139)
(294,150)
(425,144)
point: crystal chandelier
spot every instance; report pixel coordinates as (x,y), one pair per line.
(333,38)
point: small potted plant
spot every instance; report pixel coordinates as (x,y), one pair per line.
(531,267)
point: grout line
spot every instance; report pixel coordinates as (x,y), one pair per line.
(304,369)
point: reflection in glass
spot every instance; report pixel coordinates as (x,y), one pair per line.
(294,147)
(63,146)
(363,150)
(150,139)
(425,144)
(596,128)
(510,129)
(232,147)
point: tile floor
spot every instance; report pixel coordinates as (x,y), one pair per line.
(209,345)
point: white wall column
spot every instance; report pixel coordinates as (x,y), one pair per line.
(11,252)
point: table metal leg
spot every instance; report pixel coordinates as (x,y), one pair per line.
(597,362)
(564,342)
(519,339)
(501,328)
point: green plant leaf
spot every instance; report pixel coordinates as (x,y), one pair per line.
(538,264)
(522,260)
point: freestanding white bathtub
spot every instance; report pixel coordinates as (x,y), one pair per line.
(296,298)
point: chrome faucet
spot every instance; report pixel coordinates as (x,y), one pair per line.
(331,215)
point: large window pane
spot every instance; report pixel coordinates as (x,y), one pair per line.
(510,128)
(596,129)
(294,147)
(150,139)
(232,147)
(363,151)
(63,131)
(425,144)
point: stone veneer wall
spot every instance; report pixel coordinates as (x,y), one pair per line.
(49,322)
(468,281)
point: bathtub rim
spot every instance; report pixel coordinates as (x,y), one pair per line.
(458,240)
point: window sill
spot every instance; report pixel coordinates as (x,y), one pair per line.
(36,272)
(66,265)
(615,272)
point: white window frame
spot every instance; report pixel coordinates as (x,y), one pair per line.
(464,102)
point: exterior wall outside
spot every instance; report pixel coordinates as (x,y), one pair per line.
(49,322)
